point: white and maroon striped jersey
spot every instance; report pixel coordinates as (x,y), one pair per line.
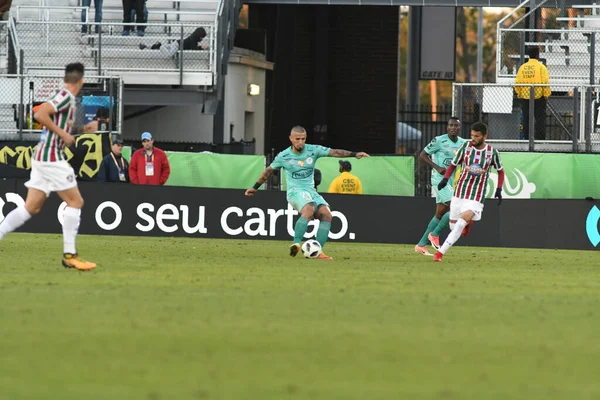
(472,184)
(51,146)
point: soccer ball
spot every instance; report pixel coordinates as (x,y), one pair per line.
(311,249)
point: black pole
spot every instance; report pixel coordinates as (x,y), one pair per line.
(181,57)
(531,121)
(575,119)
(593,58)
(589,121)
(414,45)
(99,49)
(21,105)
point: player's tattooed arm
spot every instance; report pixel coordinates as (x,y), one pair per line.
(264,176)
(345,153)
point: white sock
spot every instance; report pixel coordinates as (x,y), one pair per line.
(71,219)
(13,221)
(454,235)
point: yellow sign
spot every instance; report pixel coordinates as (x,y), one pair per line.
(20,156)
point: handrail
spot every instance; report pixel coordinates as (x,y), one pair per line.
(42,8)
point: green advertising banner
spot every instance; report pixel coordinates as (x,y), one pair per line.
(379,175)
(548,176)
(232,171)
(224,171)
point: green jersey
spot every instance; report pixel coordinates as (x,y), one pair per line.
(443,150)
(300,168)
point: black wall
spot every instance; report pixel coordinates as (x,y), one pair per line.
(335,67)
(221,213)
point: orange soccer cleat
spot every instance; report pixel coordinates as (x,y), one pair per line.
(73,261)
(438,257)
(324,257)
(294,249)
(423,250)
(435,241)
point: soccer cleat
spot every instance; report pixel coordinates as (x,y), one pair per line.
(324,257)
(423,250)
(467,229)
(435,241)
(73,261)
(438,257)
(294,249)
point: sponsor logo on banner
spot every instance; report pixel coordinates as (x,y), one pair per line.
(516,185)
(591,226)
(170,218)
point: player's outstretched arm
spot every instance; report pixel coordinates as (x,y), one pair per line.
(262,179)
(345,153)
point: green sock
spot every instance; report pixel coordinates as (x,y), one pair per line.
(300,229)
(323,232)
(432,224)
(444,222)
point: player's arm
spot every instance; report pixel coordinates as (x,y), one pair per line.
(497,163)
(345,153)
(264,176)
(424,156)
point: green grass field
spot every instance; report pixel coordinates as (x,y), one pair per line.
(164,318)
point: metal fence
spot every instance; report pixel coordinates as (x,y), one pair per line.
(21,93)
(564,122)
(569,54)
(156,58)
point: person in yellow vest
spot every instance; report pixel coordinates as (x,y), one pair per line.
(533,71)
(346,183)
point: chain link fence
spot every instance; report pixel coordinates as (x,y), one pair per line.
(565,34)
(563,122)
(22,93)
(49,38)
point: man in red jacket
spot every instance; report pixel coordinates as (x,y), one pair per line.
(149,165)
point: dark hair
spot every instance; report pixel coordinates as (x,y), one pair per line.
(297,129)
(454,119)
(533,52)
(199,33)
(345,165)
(480,127)
(74,72)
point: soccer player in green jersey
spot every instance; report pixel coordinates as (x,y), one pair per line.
(439,154)
(50,171)
(475,158)
(299,161)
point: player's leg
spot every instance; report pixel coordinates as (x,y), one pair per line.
(444,217)
(469,210)
(442,198)
(17,217)
(307,211)
(324,216)
(71,220)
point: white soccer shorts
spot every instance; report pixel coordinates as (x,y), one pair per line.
(458,206)
(51,176)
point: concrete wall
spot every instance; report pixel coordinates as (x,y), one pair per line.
(243,117)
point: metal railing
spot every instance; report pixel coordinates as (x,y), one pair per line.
(21,93)
(564,122)
(568,54)
(51,45)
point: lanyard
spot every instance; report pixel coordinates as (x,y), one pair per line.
(115,160)
(149,158)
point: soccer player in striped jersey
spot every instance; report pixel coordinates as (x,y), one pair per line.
(50,171)
(475,158)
